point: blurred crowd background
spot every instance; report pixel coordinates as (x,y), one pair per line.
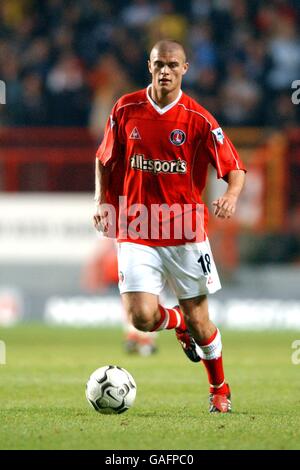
(64,63)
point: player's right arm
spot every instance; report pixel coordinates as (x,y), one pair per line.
(107,153)
(101,188)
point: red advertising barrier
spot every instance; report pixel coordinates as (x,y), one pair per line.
(37,159)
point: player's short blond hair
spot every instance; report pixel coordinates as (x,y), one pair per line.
(165,45)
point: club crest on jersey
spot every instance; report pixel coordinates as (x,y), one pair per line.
(177,137)
(135,135)
(219,135)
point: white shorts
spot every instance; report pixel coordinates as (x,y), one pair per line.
(189,269)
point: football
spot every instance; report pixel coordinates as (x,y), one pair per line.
(111,390)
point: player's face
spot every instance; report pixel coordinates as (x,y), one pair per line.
(167,69)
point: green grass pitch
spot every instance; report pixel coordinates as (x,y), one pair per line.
(43,404)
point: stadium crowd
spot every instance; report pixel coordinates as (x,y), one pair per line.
(65,61)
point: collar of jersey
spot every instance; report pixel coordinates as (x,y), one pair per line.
(165,108)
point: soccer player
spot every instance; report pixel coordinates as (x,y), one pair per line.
(155,153)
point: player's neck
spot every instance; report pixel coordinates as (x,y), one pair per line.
(163,99)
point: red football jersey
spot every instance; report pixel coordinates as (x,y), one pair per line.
(160,156)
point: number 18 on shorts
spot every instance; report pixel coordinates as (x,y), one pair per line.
(189,269)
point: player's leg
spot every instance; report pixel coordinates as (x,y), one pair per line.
(142,309)
(141,342)
(197,319)
(208,338)
(142,279)
(192,274)
(146,314)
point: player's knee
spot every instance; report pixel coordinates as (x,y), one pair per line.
(142,324)
(142,319)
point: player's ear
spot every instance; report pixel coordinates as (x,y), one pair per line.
(149,66)
(185,68)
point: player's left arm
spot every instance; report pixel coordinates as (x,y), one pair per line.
(225,206)
(224,157)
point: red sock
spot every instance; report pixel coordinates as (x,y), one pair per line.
(170,318)
(214,369)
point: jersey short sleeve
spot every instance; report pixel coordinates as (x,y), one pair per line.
(220,149)
(110,148)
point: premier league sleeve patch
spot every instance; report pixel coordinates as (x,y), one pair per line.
(177,137)
(219,135)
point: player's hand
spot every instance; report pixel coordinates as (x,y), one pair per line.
(225,206)
(101,219)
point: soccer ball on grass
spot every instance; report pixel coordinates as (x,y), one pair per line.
(111,390)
